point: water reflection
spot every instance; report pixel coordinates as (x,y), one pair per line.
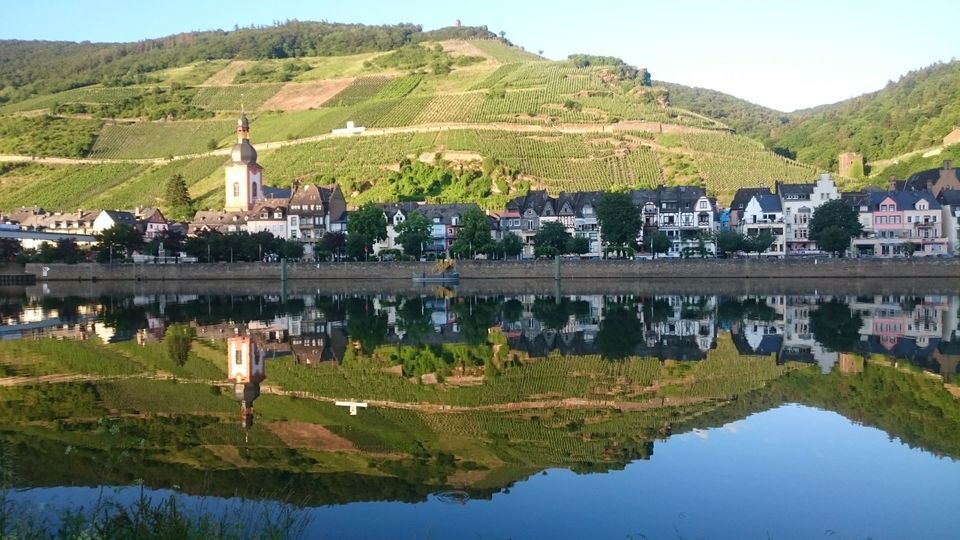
(246,368)
(464,393)
(317,329)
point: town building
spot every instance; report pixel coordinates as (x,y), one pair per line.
(950,203)
(111,218)
(304,213)
(150,222)
(935,181)
(799,202)
(764,213)
(901,223)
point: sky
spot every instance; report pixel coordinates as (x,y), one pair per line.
(784,55)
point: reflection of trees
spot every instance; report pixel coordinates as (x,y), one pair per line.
(656,310)
(365,324)
(414,319)
(512,310)
(67,308)
(620,331)
(551,314)
(835,327)
(754,309)
(179,340)
(475,316)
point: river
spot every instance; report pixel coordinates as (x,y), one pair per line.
(537,415)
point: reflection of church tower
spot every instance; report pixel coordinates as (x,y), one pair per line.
(245,367)
(244,183)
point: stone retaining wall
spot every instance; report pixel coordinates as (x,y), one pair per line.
(513,270)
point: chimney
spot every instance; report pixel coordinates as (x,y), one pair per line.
(893,182)
(947,164)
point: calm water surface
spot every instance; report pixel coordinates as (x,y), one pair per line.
(502,416)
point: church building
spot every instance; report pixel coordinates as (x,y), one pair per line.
(244,178)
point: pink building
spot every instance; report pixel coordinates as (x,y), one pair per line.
(901,223)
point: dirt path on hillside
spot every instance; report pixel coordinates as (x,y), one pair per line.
(376,132)
(303,96)
(225,76)
(48,379)
(565,403)
(304,435)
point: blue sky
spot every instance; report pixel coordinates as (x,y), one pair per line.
(785,55)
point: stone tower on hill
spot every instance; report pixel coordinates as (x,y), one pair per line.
(850,164)
(244,179)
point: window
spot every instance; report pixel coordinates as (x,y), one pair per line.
(236,189)
(237,357)
(253,190)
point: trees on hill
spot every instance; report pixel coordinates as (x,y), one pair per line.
(366,227)
(656,243)
(619,218)
(414,233)
(177,198)
(551,240)
(474,236)
(118,242)
(758,243)
(510,245)
(729,242)
(833,225)
(241,247)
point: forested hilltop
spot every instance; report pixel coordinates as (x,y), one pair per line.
(913,113)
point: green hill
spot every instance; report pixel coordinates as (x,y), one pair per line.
(497,119)
(914,113)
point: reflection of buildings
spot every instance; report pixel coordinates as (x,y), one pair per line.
(685,330)
(922,330)
(245,368)
(318,339)
(799,345)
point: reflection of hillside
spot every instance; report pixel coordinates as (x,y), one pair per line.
(465,393)
(407,452)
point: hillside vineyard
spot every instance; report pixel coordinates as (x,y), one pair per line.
(584,124)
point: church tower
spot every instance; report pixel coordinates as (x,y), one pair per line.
(244,182)
(245,368)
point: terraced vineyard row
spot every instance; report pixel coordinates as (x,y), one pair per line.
(160,139)
(364,158)
(230,98)
(359,91)
(90,94)
(725,175)
(65,187)
(496,77)
(148,186)
(501,52)
(399,87)
(564,163)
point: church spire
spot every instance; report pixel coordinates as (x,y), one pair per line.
(243,127)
